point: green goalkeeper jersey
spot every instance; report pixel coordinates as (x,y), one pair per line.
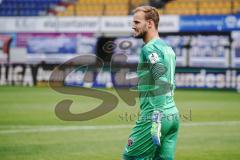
(156,70)
(156,74)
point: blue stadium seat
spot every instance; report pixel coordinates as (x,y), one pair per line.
(25,7)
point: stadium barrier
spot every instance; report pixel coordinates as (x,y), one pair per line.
(118,24)
(39,75)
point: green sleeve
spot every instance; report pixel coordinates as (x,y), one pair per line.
(155,60)
(157,69)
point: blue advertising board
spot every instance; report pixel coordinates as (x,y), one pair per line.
(211,23)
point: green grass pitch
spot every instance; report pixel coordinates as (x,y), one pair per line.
(30,130)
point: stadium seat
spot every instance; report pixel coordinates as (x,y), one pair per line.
(202,7)
(236,6)
(117,7)
(25,7)
(114,10)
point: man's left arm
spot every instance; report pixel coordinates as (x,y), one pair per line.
(157,70)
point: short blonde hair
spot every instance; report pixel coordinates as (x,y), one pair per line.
(150,13)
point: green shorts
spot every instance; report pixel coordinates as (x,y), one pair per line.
(140,145)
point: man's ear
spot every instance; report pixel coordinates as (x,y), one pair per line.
(150,23)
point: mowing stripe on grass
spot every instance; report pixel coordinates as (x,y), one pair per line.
(7,129)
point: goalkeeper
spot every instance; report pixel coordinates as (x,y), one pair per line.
(155,134)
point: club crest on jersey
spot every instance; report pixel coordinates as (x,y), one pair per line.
(153,57)
(130,142)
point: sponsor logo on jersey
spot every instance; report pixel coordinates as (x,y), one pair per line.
(130,142)
(153,57)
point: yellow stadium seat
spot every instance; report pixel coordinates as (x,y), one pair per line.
(182,7)
(116,10)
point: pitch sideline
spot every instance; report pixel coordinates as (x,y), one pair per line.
(8,129)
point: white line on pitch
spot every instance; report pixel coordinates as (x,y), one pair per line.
(7,129)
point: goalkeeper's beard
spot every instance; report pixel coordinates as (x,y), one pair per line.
(141,33)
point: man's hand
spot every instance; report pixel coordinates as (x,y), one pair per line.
(156,127)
